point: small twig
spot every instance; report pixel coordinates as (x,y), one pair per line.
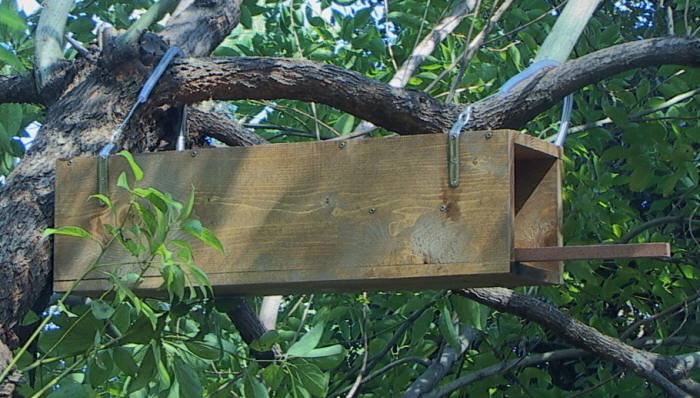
(466,57)
(667,311)
(649,224)
(504,367)
(358,381)
(637,116)
(388,367)
(302,113)
(596,386)
(77,45)
(285,130)
(474,45)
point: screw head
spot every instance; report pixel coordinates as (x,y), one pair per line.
(70,162)
(372,210)
(342,144)
(193,153)
(488,135)
(443,208)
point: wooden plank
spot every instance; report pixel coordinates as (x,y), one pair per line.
(592,252)
(373,213)
(539,218)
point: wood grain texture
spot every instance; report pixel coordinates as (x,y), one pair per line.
(325,216)
(537,200)
(593,252)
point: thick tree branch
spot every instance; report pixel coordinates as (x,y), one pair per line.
(23,88)
(202,26)
(403,111)
(49,38)
(222,128)
(660,370)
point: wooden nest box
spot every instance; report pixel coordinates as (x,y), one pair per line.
(375,214)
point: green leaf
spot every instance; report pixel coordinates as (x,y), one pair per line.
(187,211)
(12,19)
(640,178)
(147,370)
(148,218)
(307,342)
(311,378)
(30,318)
(99,368)
(122,182)
(266,341)
(470,312)
(187,378)
(104,200)
(210,239)
(273,376)
(193,227)
(124,360)
(324,352)
(447,328)
(72,390)
(246,18)
(138,173)
(11,59)
(345,123)
(69,231)
(11,118)
(203,350)
(101,310)
(617,114)
(254,388)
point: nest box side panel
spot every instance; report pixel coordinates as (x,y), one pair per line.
(537,197)
(323,216)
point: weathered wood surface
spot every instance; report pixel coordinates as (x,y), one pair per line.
(327,216)
(593,252)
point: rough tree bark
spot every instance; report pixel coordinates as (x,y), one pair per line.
(94,97)
(93,100)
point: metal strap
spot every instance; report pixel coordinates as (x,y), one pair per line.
(453,145)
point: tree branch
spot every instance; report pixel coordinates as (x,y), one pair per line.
(504,367)
(661,314)
(49,38)
(23,88)
(649,224)
(153,15)
(403,111)
(202,26)
(660,370)
(222,128)
(426,47)
(638,116)
(441,365)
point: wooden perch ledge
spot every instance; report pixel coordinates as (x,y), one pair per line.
(592,252)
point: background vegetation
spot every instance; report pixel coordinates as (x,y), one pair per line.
(631,162)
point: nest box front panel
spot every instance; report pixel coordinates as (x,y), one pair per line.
(323,216)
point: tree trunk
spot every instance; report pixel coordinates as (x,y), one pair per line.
(79,123)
